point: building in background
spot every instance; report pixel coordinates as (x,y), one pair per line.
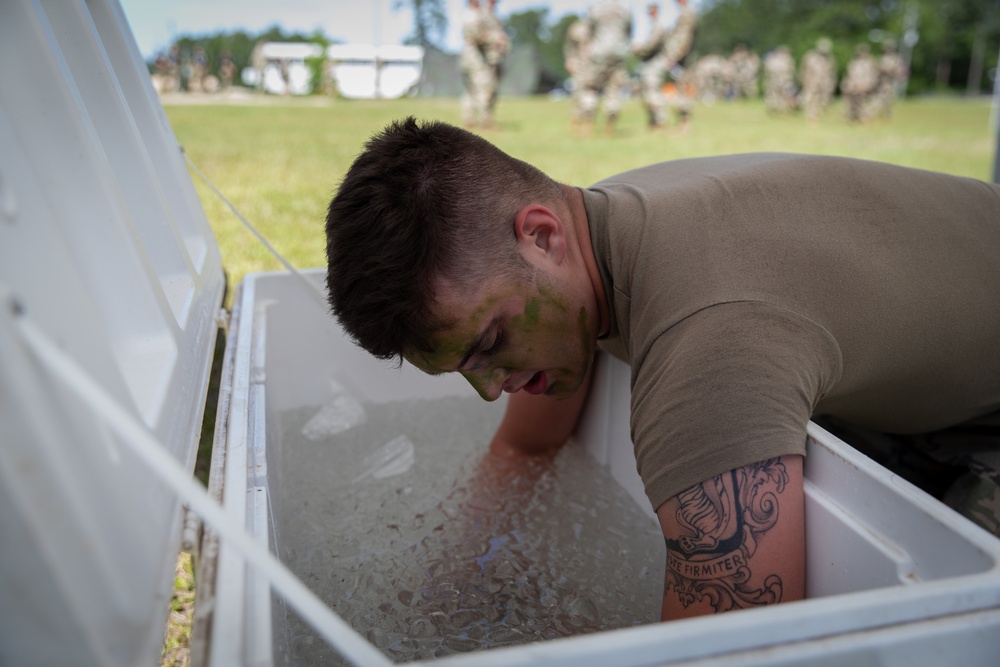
(280,67)
(364,71)
(357,71)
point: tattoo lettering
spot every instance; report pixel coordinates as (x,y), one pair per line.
(722,520)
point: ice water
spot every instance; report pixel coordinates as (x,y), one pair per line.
(394,517)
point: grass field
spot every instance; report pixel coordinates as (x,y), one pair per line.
(280,161)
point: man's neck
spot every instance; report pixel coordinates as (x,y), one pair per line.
(579,223)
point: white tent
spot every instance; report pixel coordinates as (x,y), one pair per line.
(280,67)
(365,71)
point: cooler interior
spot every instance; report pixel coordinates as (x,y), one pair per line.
(376,498)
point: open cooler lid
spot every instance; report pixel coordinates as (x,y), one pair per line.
(105,253)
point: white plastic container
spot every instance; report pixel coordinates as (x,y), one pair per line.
(105,253)
(894,577)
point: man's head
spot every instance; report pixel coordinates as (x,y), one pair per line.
(425,205)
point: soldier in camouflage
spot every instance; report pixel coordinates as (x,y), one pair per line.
(746,67)
(496,49)
(610,29)
(575,55)
(679,46)
(859,84)
(890,73)
(713,78)
(818,75)
(227,70)
(779,81)
(652,54)
(478,73)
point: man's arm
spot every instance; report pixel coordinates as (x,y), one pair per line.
(538,424)
(735,541)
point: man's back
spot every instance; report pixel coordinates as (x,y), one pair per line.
(895,293)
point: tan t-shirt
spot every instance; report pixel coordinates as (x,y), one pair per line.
(751,292)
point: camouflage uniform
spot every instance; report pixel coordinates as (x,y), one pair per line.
(610,28)
(713,78)
(164,76)
(227,70)
(890,73)
(478,75)
(959,466)
(859,83)
(779,81)
(495,50)
(575,46)
(679,46)
(575,55)
(745,66)
(174,66)
(652,53)
(818,74)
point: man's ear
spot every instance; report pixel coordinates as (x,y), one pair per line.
(539,230)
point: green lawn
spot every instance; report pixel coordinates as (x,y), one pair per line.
(280,161)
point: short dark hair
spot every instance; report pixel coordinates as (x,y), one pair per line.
(423,201)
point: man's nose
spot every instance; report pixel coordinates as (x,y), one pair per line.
(488,382)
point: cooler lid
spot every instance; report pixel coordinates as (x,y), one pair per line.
(106,252)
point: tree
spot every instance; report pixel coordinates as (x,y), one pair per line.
(430,21)
(528,27)
(532,28)
(553,58)
(969,30)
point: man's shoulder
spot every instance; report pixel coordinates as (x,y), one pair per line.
(717,166)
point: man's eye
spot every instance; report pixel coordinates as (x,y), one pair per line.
(496,344)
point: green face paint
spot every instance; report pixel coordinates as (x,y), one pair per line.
(445,348)
(551,297)
(531,313)
(527,322)
(450,345)
(542,337)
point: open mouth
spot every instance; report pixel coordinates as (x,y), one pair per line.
(537,384)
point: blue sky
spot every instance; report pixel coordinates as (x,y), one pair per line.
(156,22)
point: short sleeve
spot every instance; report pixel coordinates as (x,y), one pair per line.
(730,385)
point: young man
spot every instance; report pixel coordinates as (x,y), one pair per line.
(748,293)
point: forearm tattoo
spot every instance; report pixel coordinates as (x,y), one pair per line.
(721,520)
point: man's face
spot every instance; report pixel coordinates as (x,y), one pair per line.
(534,333)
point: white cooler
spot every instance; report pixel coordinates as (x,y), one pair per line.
(894,576)
(110,287)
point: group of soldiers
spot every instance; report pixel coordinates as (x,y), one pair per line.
(597,48)
(176,72)
(869,85)
(716,77)
(486,44)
